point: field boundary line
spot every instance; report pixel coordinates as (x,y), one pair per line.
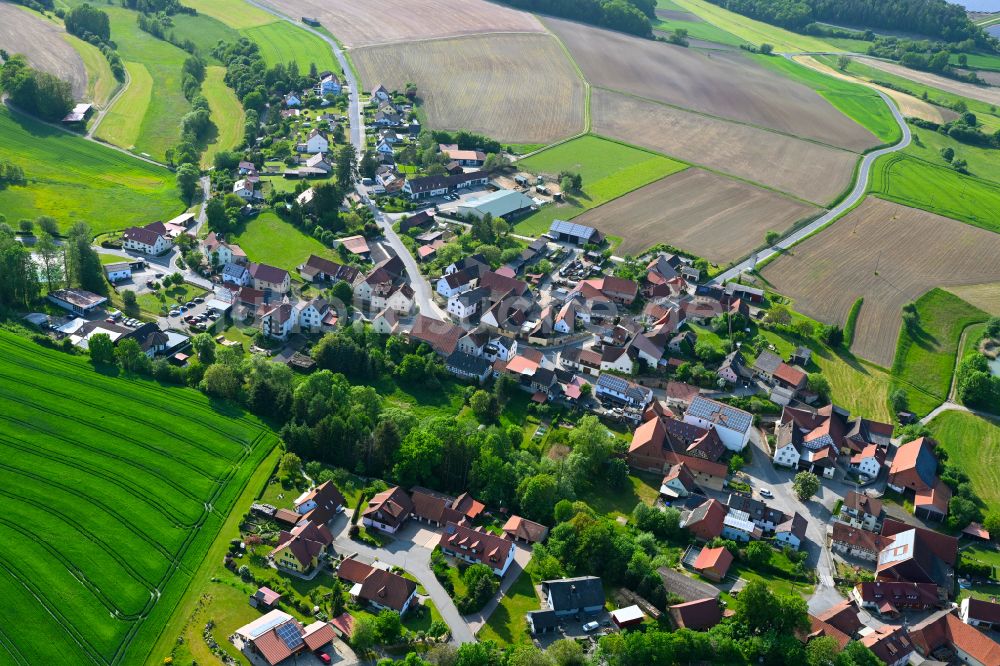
(471,35)
(122,87)
(730,120)
(588,124)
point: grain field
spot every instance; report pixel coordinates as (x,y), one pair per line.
(986,297)
(890,255)
(712,216)
(43,44)
(727,85)
(804,169)
(356,23)
(517,88)
(986,94)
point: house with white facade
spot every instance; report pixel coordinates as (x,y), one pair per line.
(151,239)
(278,321)
(455,283)
(118,272)
(477,546)
(467,303)
(312,314)
(732,425)
(317,143)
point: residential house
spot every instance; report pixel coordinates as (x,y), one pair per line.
(385,590)
(442,336)
(860,510)
(521,529)
(622,391)
(270,279)
(319,163)
(764,517)
(236,274)
(945,634)
(843,617)
(313,314)
(732,425)
(680,395)
(858,543)
(151,239)
(678,482)
(392,296)
(615,289)
(302,548)
(246,189)
(320,504)
(275,637)
(388,510)
(889,598)
(278,321)
(583,595)
(433,186)
(917,555)
(682,343)
(581,360)
(384,148)
(118,272)
(790,378)
(697,615)
(713,563)
(617,359)
(467,158)
(501,348)
(386,322)
(766,365)
(734,368)
(379,94)
(706,520)
(292,100)
(979,613)
(477,546)
(792,531)
(653,449)
(468,366)
(914,466)
(467,303)
(317,142)
(869,462)
(387,116)
(890,644)
(220,253)
(450,284)
(737,526)
(327,85)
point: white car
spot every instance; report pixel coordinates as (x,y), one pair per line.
(591,626)
(764,492)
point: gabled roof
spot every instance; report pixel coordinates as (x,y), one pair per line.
(795,525)
(925,594)
(523,528)
(916,459)
(394,504)
(863,503)
(268,273)
(574,593)
(709,517)
(686,587)
(720,414)
(305,542)
(890,644)
(714,558)
(943,546)
(327,498)
(442,336)
(488,548)
(843,616)
(353,570)
(944,629)
(387,589)
(858,538)
(697,615)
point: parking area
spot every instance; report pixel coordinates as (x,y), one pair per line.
(195,315)
(572,626)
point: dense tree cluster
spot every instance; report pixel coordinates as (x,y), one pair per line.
(166,7)
(85,21)
(935,18)
(38,93)
(631,16)
(977,386)
(10,174)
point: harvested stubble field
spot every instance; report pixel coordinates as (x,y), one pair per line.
(137,480)
(982,93)
(727,85)
(355,24)
(710,215)
(518,88)
(804,169)
(43,43)
(986,296)
(914,250)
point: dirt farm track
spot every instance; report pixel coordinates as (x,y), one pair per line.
(43,43)
(710,215)
(804,169)
(726,85)
(355,24)
(519,88)
(914,252)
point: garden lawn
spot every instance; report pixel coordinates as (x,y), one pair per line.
(282,42)
(270,240)
(755,32)
(925,359)
(860,103)
(921,184)
(72,179)
(227,114)
(507,625)
(609,170)
(973,446)
(134,500)
(615,502)
(161,112)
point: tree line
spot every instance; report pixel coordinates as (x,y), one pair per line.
(38,93)
(934,18)
(631,16)
(93,25)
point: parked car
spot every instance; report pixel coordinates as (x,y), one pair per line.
(175,313)
(159,276)
(110,320)
(764,492)
(591,626)
(190,304)
(199,300)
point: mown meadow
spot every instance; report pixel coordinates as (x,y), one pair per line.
(113,491)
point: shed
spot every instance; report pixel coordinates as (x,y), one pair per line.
(629,616)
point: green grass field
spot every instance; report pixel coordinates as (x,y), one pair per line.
(984,163)
(73,179)
(282,42)
(133,498)
(269,239)
(227,114)
(978,61)
(859,103)
(973,445)
(754,32)
(938,189)
(506,625)
(234,13)
(925,360)
(204,30)
(101,82)
(699,30)
(122,125)
(162,104)
(609,170)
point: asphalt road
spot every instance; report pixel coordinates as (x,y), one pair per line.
(858,193)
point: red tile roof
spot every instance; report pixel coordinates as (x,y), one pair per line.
(697,615)
(387,589)
(889,644)
(945,629)
(942,545)
(489,549)
(522,528)
(718,559)
(353,570)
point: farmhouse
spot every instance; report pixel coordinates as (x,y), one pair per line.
(889,597)
(505,204)
(151,239)
(914,467)
(433,186)
(945,633)
(478,547)
(979,613)
(570,232)
(855,542)
(915,556)
(890,644)
(466,158)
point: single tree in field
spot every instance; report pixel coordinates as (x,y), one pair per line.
(204,347)
(771,237)
(843,62)
(766,49)
(806,484)
(758,554)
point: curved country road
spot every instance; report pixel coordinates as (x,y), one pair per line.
(858,193)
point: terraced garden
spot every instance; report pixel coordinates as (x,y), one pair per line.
(113,491)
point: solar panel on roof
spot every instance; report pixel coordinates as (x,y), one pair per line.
(289,635)
(571,228)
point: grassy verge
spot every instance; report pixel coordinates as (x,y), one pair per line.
(609,170)
(925,356)
(852,322)
(754,32)
(973,445)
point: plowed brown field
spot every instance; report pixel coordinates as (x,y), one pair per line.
(710,215)
(727,85)
(913,251)
(513,87)
(804,169)
(363,22)
(43,43)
